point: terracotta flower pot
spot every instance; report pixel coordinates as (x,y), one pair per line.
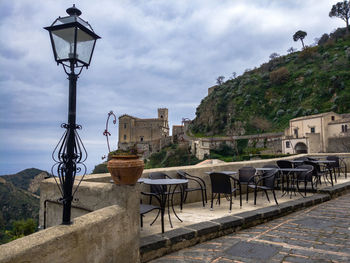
(125,169)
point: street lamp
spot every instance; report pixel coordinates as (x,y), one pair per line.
(73,42)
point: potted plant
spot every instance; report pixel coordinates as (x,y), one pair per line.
(125,167)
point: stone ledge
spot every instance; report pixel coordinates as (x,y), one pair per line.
(336,190)
(192,234)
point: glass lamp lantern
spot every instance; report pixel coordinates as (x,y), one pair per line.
(72,39)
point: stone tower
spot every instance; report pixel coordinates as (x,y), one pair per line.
(163,114)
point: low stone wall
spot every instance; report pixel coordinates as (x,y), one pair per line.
(201,171)
(90,196)
(105,235)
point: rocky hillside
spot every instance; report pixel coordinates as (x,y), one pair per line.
(19,197)
(28,179)
(264,99)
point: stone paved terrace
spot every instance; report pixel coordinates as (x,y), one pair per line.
(201,224)
(317,234)
(193,213)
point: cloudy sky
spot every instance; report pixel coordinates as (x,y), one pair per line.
(152,54)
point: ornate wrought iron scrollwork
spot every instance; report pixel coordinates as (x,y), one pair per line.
(106,132)
(61,158)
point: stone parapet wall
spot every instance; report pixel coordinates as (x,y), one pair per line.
(105,235)
(201,171)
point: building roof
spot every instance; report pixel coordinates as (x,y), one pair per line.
(127,115)
(314,116)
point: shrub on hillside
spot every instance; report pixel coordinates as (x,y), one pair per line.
(279,76)
(308,52)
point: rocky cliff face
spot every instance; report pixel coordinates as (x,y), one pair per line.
(35,182)
(311,81)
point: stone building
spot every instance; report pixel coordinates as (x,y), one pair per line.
(148,134)
(325,132)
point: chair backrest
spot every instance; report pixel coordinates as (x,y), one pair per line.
(306,175)
(284,164)
(269,177)
(245,173)
(316,167)
(334,158)
(181,174)
(157,189)
(220,183)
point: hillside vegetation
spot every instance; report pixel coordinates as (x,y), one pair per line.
(314,80)
(19,203)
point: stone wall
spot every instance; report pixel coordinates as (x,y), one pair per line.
(201,171)
(105,235)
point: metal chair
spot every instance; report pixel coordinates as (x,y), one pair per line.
(318,173)
(338,166)
(222,184)
(200,186)
(284,174)
(264,182)
(305,177)
(245,173)
(145,208)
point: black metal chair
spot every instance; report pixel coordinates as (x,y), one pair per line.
(302,159)
(146,208)
(305,177)
(200,186)
(339,166)
(264,182)
(285,175)
(222,184)
(162,189)
(245,173)
(278,175)
(318,173)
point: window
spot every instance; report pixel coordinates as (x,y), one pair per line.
(124,125)
(287,144)
(124,137)
(296,132)
(141,139)
(312,129)
(332,118)
(344,128)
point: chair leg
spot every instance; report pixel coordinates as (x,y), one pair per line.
(255,193)
(247,193)
(230,202)
(240,196)
(212,200)
(141,220)
(267,196)
(156,217)
(274,196)
(202,192)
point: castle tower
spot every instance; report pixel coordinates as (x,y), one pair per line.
(163,114)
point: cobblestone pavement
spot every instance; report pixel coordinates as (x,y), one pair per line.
(317,234)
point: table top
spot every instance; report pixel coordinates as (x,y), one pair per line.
(314,161)
(282,169)
(166,181)
(223,172)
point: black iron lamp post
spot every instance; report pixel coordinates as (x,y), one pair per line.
(73,42)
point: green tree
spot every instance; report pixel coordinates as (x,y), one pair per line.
(300,35)
(21,228)
(220,80)
(342,11)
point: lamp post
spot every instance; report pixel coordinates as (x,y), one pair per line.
(73,41)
